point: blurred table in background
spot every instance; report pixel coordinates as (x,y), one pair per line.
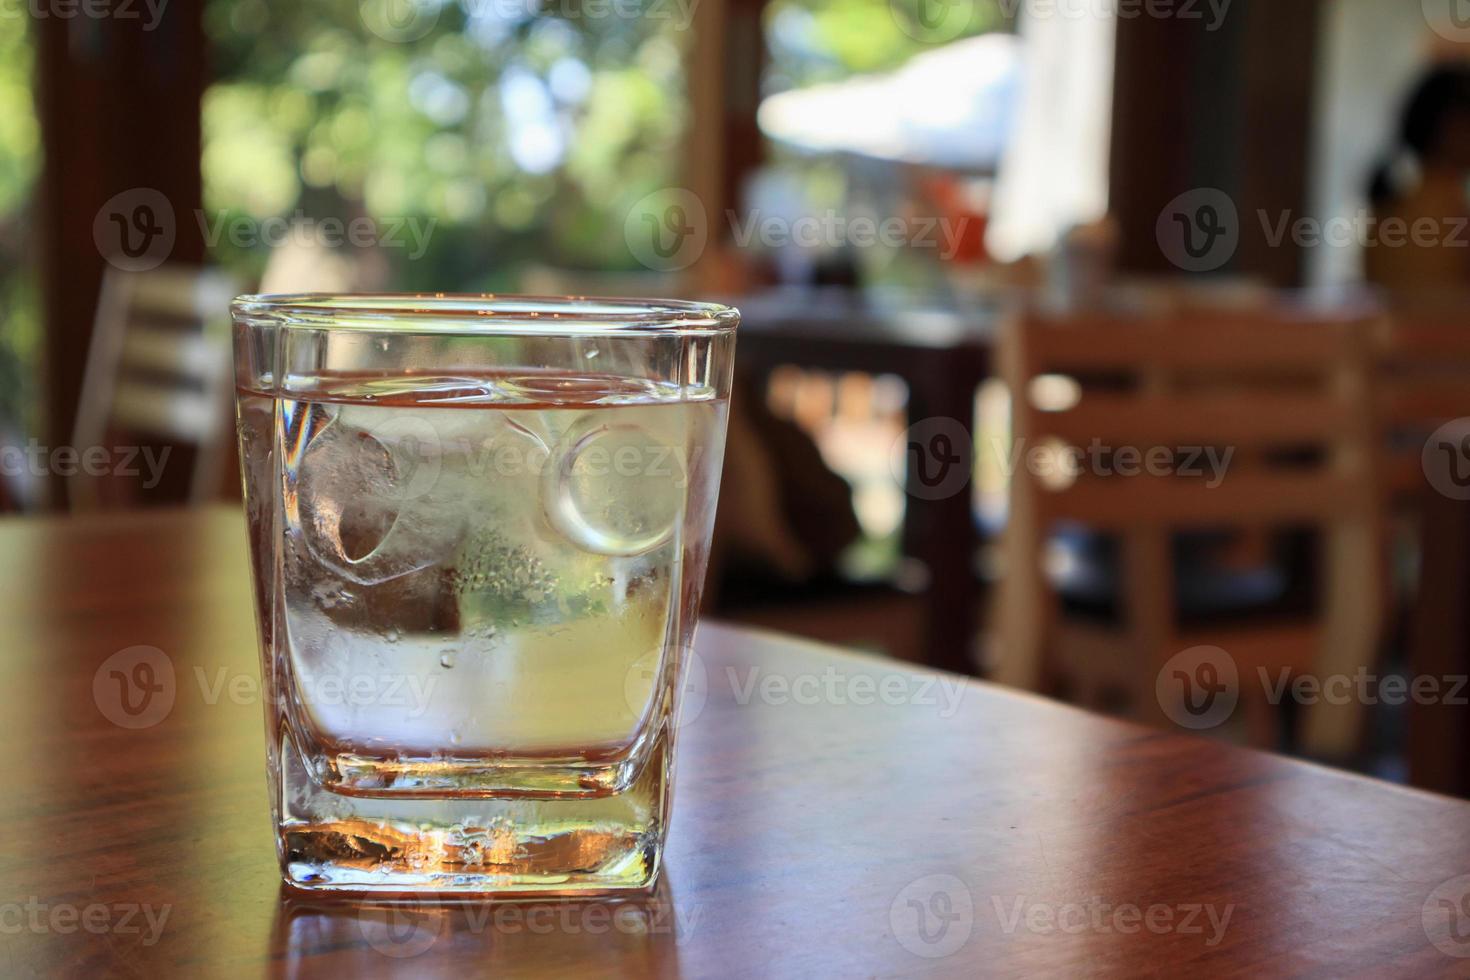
(899,823)
(942,355)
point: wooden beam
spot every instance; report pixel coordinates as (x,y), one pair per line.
(1224,105)
(118,98)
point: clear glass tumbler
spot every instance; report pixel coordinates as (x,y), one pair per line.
(479,527)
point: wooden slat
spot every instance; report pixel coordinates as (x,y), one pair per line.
(1280,346)
(165,411)
(1216,419)
(1423,380)
(192,355)
(182,291)
(1424,401)
(1409,337)
(1293,646)
(1254,498)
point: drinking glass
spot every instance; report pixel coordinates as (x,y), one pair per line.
(479,527)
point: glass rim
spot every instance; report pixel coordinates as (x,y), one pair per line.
(487,313)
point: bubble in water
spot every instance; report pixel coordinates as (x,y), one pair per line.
(615,488)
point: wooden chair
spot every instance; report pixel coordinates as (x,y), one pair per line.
(1421,361)
(158,374)
(1286,393)
(1422,376)
(1422,379)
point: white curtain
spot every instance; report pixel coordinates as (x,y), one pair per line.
(1054,173)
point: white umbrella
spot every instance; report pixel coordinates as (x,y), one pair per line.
(950,107)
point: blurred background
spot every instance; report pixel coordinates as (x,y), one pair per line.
(1119,351)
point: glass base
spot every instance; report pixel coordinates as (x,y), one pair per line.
(582,845)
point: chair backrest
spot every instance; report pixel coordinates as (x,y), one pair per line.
(158,371)
(1422,364)
(1244,419)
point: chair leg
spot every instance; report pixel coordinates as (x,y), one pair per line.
(1351,624)
(1023,599)
(1148,614)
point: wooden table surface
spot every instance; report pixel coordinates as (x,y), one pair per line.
(835,816)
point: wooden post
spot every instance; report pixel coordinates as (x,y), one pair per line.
(723,65)
(118,98)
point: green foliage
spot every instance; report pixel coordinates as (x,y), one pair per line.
(814,41)
(20,159)
(314,112)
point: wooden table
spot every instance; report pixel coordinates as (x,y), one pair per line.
(943,356)
(945,827)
